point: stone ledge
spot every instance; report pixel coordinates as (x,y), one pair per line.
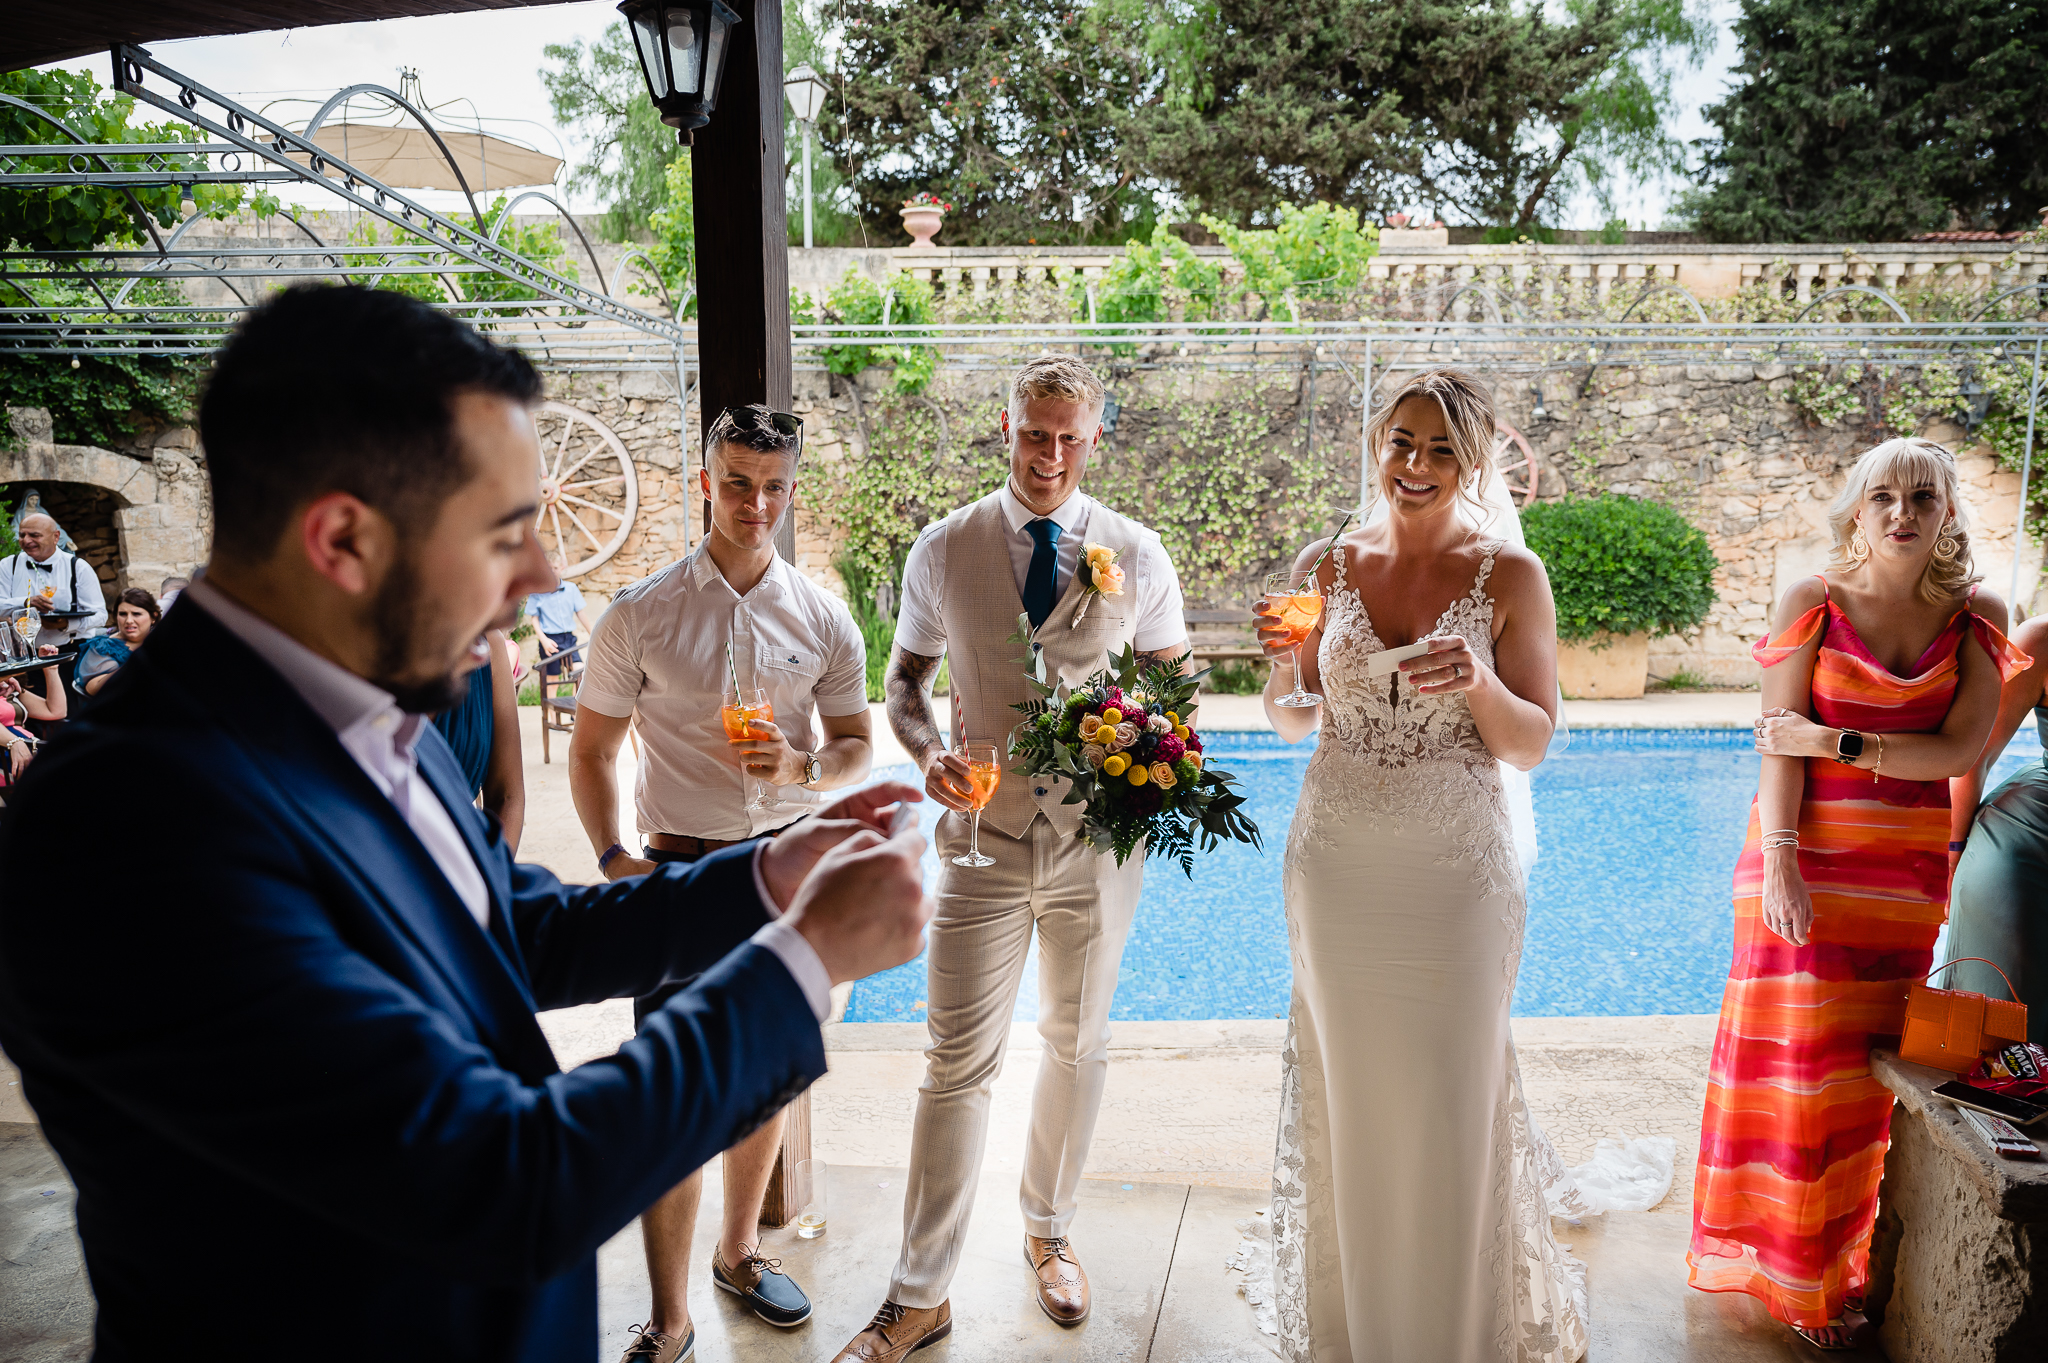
(2015,1190)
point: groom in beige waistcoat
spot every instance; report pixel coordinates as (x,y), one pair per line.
(968,578)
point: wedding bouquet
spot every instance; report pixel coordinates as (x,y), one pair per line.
(1136,764)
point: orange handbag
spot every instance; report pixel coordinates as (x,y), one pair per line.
(1950,1028)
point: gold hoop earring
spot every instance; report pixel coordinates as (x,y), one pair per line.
(1946,546)
(1859,547)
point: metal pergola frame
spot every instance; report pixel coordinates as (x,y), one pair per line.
(566,325)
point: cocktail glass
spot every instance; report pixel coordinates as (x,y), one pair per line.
(738,716)
(27,626)
(984,774)
(1297,598)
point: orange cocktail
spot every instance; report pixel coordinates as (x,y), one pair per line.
(1296,598)
(984,774)
(739,716)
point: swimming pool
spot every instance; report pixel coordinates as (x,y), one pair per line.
(1628,903)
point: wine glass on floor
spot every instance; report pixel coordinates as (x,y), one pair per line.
(738,716)
(984,774)
(1297,598)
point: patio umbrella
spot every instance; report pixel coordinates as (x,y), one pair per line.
(406,157)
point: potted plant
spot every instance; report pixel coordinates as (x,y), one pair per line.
(923,216)
(1621,569)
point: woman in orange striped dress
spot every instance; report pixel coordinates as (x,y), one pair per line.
(1881,681)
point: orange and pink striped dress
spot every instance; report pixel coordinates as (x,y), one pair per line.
(1793,1143)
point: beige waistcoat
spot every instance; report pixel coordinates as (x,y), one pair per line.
(980,611)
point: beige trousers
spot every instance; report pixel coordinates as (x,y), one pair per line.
(1080,903)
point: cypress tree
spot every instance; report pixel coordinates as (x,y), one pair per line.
(1875,120)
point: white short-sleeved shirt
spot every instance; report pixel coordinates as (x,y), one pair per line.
(658,654)
(1156,602)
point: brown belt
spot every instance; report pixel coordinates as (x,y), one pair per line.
(689,846)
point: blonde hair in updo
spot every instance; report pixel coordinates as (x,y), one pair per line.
(1468,414)
(1908,463)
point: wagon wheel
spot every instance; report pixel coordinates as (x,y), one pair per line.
(1516,463)
(588,490)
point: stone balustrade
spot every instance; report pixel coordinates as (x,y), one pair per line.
(1423,257)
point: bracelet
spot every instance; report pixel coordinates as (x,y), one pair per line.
(604,858)
(1774,832)
(1880,758)
(1773,844)
(1955,847)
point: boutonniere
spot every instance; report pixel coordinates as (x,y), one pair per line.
(1100,576)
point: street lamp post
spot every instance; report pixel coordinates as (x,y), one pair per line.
(806,90)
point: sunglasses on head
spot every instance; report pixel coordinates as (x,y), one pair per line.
(784,423)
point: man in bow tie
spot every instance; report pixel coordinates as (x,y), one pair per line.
(1019,550)
(45,578)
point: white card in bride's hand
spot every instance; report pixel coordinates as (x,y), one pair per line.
(1380,664)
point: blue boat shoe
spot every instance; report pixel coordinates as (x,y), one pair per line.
(770,1293)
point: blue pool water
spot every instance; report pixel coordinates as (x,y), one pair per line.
(1628,903)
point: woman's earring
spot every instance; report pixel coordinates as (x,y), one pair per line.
(1946,545)
(1859,547)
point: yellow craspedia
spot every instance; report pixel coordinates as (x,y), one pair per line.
(1114,765)
(1181,732)
(1172,718)
(1138,775)
(1112,715)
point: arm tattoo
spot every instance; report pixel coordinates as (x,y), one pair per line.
(1165,655)
(908,684)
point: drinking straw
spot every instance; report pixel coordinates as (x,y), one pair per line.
(733,670)
(1332,544)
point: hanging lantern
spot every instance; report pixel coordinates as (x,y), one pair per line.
(682,46)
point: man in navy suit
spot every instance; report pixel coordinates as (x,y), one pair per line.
(294,1069)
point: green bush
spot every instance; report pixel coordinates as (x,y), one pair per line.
(877,630)
(1237,677)
(1621,565)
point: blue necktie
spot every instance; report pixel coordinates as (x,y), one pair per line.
(1038,583)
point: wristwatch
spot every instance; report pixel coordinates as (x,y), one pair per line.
(814,770)
(1848,747)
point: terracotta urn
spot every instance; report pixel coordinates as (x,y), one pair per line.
(922,222)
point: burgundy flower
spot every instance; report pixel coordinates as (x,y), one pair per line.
(1147,800)
(1169,748)
(1194,741)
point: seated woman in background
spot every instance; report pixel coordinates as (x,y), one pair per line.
(1881,683)
(100,657)
(483,729)
(1998,903)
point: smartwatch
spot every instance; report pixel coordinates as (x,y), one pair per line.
(1848,747)
(814,770)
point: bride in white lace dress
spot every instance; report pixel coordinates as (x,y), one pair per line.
(1409,1222)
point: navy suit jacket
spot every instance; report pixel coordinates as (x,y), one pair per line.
(302,1093)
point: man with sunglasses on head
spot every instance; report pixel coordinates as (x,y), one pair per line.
(658,657)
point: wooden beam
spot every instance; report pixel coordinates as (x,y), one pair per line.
(741,218)
(743,321)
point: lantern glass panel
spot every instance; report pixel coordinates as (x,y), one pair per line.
(647,36)
(714,63)
(685,47)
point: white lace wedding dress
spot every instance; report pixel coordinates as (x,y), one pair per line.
(1409,1222)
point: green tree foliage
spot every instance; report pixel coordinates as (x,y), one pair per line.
(674,224)
(1495,109)
(1321,249)
(1151,281)
(80,217)
(1004,108)
(1621,565)
(1874,120)
(598,89)
(857,301)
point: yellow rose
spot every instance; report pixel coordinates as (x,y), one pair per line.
(1089,724)
(1110,581)
(1139,774)
(1114,765)
(1099,556)
(1195,758)
(1163,777)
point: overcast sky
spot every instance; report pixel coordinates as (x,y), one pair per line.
(493,58)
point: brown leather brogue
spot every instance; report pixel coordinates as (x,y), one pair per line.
(896,1332)
(1062,1285)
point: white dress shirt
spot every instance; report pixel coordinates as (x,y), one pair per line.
(22,577)
(383,739)
(658,653)
(1156,603)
